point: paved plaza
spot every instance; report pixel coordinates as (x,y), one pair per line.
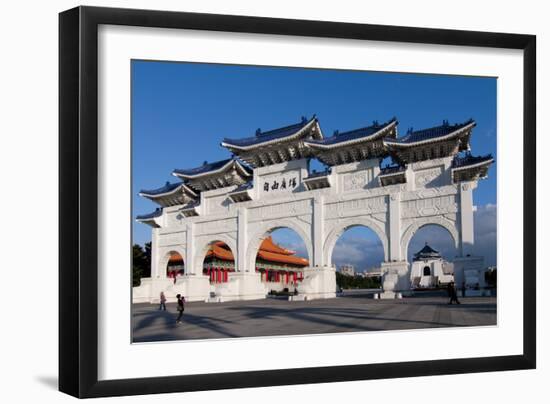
(276,316)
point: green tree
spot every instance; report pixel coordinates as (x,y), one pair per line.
(356,282)
(141,264)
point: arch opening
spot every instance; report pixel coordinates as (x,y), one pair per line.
(218,261)
(280,258)
(430,253)
(357,255)
(174,266)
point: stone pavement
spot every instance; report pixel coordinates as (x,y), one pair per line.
(275,316)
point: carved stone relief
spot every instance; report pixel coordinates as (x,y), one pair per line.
(366,206)
(280,210)
(427,177)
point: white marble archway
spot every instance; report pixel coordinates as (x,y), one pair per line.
(335,233)
(447,224)
(266,228)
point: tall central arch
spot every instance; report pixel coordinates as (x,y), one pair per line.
(341,227)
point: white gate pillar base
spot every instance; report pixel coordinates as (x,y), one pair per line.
(194,288)
(318,283)
(240,286)
(395,279)
(470,271)
(149,290)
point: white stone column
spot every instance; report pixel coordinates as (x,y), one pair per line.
(190,252)
(395,271)
(394,221)
(155,256)
(242,241)
(318,233)
(466,218)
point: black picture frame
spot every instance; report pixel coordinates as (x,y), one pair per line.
(78,200)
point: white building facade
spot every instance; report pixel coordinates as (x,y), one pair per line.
(430,270)
(267,185)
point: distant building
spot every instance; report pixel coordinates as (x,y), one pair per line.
(347,269)
(429,269)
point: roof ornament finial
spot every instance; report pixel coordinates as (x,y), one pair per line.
(375,123)
(336,132)
(410,130)
(258,132)
(304,119)
(167,183)
(445,122)
(204,162)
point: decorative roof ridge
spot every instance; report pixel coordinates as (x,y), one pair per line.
(212,168)
(334,141)
(166,189)
(300,124)
(258,140)
(405,140)
(375,124)
(469,160)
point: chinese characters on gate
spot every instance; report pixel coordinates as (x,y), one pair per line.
(285,183)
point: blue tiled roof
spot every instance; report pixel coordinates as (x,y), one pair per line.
(413,136)
(426,252)
(244,187)
(192,204)
(469,160)
(315,174)
(206,167)
(353,134)
(162,190)
(273,134)
(151,215)
(392,170)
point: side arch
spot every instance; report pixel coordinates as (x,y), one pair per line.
(337,230)
(203,244)
(165,257)
(449,225)
(259,235)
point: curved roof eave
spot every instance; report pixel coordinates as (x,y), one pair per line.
(351,141)
(397,143)
(297,134)
(238,165)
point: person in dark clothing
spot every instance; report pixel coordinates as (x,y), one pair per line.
(463,289)
(452,293)
(180,307)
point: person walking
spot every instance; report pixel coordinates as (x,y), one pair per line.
(180,307)
(452,293)
(162,301)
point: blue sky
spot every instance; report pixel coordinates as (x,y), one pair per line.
(181,111)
